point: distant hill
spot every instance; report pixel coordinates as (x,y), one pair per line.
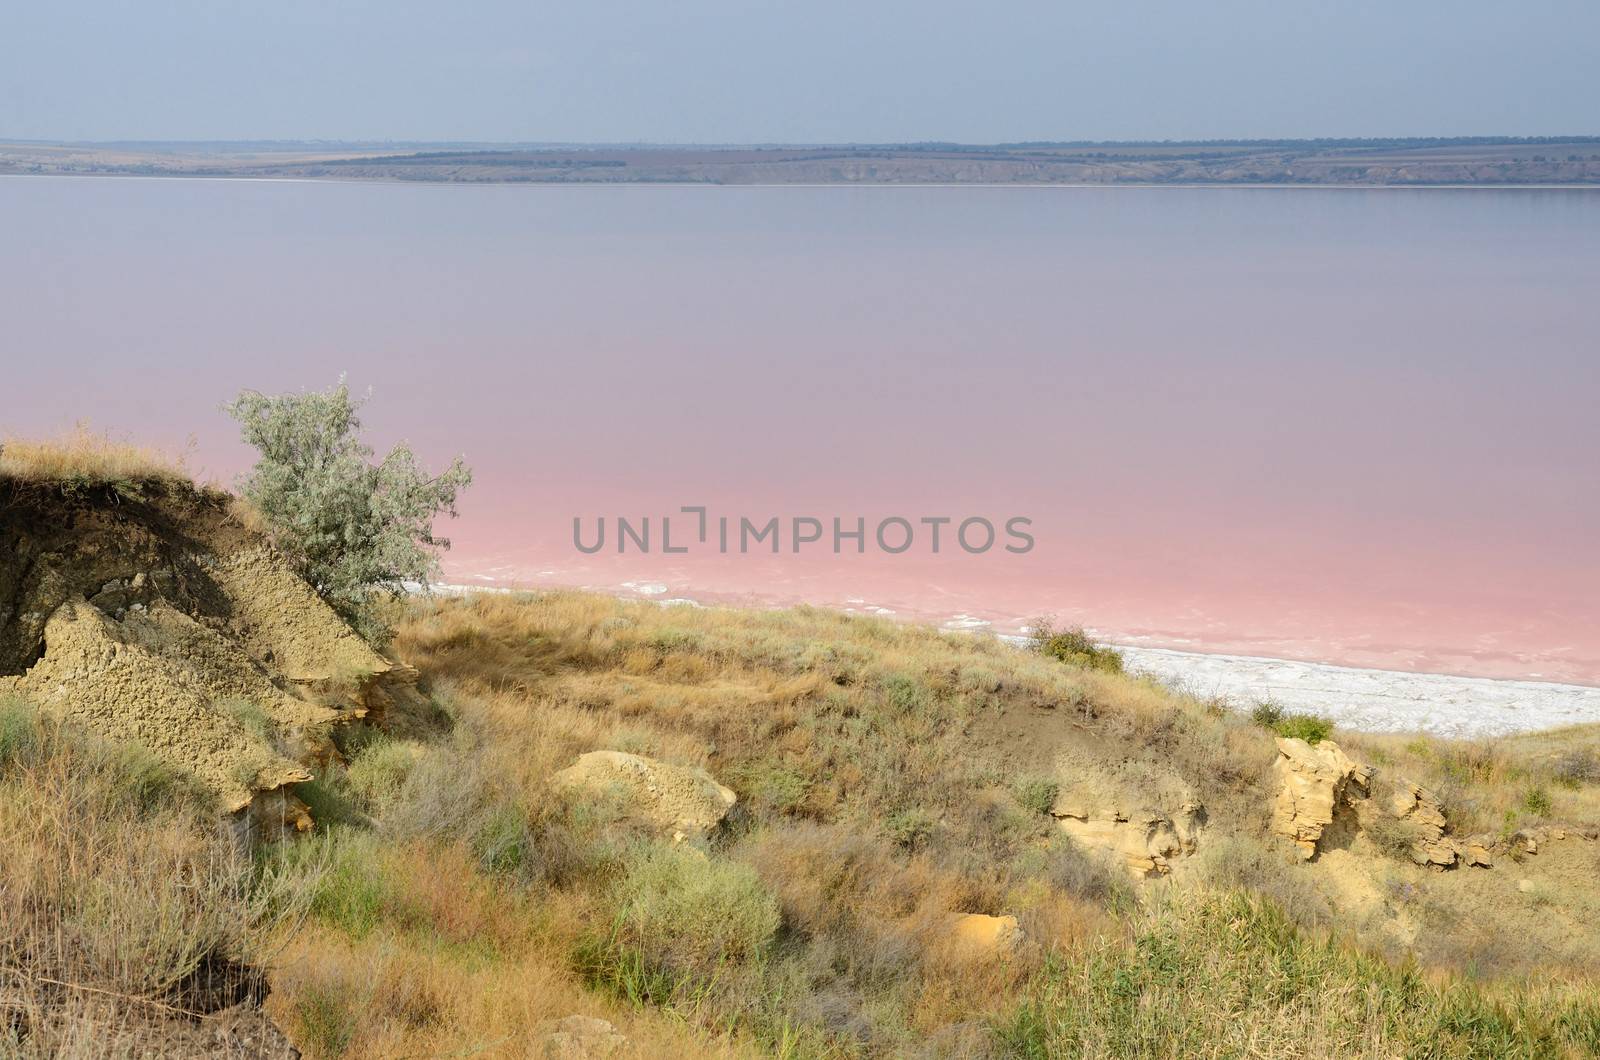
(1421,161)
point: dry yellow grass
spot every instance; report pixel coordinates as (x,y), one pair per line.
(456,902)
(875,762)
(1500,785)
(83,459)
(125,905)
(465,968)
(802,711)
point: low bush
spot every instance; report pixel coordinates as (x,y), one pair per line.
(1073,647)
(343,874)
(250,715)
(1308,727)
(772,786)
(21,735)
(1264,866)
(1267,714)
(690,912)
(1036,794)
(1085,874)
(502,840)
(140,780)
(910,829)
(904,694)
(378,772)
(1472,763)
(326,1017)
(1391,836)
(328,801)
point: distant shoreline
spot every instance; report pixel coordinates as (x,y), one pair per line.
(1551,162)
(680,185)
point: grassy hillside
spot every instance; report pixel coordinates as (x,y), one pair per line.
(889,777)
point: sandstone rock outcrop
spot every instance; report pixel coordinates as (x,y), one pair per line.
(1478,853)
(1422,813)
(580,1038)
(1314,782)
(1318,784)
(680,801)
(1146,840)
(1420,809)
(1482,850)
(99,676)
(278,616)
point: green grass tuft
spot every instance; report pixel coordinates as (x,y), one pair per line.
(1308,727)
(1229,974)
(20,736)
(691,911)
(1036,794)
(343,871)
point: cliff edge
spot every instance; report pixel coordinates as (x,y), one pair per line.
(154,614)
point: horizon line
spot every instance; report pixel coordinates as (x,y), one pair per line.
(1432,140)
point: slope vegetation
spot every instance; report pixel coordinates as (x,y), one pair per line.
(944,846)
(567,825)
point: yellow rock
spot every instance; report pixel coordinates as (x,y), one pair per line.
(1146,840)
(679,800)
(580,1038)
(976,934)
(1313,782)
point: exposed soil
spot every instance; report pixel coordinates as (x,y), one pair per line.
(162,621)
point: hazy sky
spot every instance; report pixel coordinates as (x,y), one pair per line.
(819,70)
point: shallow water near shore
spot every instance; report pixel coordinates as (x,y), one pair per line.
(1323,425)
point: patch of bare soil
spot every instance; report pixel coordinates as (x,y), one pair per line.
(105,1026)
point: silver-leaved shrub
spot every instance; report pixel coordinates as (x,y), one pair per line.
(356,529)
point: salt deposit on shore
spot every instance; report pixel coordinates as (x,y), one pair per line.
(1375,700)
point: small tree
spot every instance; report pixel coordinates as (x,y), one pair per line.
(352,528)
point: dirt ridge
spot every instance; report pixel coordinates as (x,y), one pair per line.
(157,617)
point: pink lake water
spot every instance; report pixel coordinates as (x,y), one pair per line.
(1356,426)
